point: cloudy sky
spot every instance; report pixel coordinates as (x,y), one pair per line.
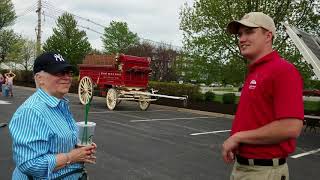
(156,20)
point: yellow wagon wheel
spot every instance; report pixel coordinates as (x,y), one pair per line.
(85,90)
(144,105)
(111,98)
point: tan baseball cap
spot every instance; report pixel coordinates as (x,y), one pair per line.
(253,19)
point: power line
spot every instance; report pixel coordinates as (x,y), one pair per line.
(49,10)
(23,9)
(52,7)
(49,15)
(85,27)
(100,33)
(55,10)
(28,10)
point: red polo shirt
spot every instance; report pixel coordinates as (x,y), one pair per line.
(272,91)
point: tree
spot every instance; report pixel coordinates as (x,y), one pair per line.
(192,68)
(96,51)
(162,63)
(143,49)
(117,38)
(28,54)
(68,40)
(7,13)
(162,59)
(233,72)
(7,39)
(204,24)
(23,53)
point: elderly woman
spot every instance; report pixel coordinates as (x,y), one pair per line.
(43,130)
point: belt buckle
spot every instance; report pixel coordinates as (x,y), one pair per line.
(251,162)
(276,161)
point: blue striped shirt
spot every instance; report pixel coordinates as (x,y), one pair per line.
(41,128)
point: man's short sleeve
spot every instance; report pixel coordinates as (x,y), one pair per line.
(287,91)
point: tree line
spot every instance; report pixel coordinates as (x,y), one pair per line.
(215,55)
(209,54)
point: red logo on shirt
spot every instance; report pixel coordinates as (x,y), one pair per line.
(253,84)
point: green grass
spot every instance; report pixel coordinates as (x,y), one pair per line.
(218,98)
(225,89)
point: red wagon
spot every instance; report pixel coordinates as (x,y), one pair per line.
(120,77)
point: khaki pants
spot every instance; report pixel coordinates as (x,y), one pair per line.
(247,172)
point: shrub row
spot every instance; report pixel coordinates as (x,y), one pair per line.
(229,98)
(174,89)
(191,91)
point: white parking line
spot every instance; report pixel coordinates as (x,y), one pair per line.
(171,119)
(105,112)
(101,112)
(305,154)
(211,132)
(4,102)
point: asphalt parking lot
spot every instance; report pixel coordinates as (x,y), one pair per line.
(163,143)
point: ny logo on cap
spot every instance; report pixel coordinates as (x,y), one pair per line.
(58,57)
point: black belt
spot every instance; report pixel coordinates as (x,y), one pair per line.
(259,162)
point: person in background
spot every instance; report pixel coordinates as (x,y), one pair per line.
(43,131)
(1,82)
(9,81)
(270,113)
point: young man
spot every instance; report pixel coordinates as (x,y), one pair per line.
(270,113)
(43,131)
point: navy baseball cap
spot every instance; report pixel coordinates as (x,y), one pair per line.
(52,63)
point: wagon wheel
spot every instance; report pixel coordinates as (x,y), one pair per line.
(85,90)
(111,98)
(144,105)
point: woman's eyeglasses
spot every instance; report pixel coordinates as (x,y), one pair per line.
(63,73)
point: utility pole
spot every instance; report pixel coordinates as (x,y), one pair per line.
(38,29)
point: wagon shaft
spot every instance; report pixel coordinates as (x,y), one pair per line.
(140,93)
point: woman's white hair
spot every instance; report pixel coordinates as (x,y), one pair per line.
(36,80)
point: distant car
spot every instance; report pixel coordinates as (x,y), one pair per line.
(202,84)
(311,92)
(215,85)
